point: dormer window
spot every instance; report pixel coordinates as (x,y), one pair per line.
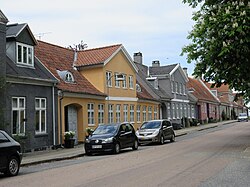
(67,76)
(25,54)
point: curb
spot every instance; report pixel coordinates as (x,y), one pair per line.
(52,160)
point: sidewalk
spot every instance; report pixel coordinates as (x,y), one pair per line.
(62,154)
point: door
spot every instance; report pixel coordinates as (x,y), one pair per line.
(4,150)
(71,120)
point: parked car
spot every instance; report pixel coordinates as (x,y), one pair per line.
(111,138)
(10,155)
(155,131)
(242,117)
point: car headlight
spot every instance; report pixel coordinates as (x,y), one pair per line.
(156,132)
(108,140)
(87,140)
(137,133)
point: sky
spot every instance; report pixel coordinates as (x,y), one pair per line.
(156,28)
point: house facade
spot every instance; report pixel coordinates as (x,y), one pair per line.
(207,104)
(30,92)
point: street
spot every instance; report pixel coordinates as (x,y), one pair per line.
(213,157)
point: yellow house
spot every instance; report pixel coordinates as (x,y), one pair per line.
(96,86)
(112,71)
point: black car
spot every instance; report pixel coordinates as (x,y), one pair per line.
(10,155)
(111,138)
(155,131)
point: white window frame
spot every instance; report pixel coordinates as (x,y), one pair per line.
(150,113)
(176,87)
(144,113)
(138,113)
(155,112)
(23,61)
(131,82)
(108,79)
(184,89)
(19,109)
(117,82)
(40,109)
(173,109)
(177,111)
(69,77)
(100,113)
(132,113)
(110,113)
(91,114)
(124,82)
(192,111)
(118,113)
(125,113)
(169,110)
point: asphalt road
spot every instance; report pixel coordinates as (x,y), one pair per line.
(214,157)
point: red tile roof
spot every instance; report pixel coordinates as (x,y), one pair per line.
(223,88)
(200,91)
(59,58)
(95,56)
(144,94)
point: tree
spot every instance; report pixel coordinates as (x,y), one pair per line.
(220,43)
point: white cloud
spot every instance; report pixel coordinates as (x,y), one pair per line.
(158,28)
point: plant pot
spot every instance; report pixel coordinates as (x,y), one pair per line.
(69,143)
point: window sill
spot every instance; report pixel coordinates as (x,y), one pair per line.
(37,135)
(91,125)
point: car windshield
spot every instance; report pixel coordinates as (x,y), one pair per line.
(151,125)
(242,114)
(106,129)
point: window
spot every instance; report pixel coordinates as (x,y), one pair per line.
(173,109)
(185,110)
(117,82)
(138,113)
(100,113)
(188,111)
(111,114)
(177,110)
(155,112)
(91,120)
(176,87)
(131,82)
(172,86)
(184,89)
(168,111)
(132,113)
(138,88)
(124,82)
(25,54)
(108,78)
(125,112)
(18,115)
(69,77)
(118,113)
(40,106)
(149,113)
(144,113)
(3,138)
(181,88)
(181,111)
(192,109)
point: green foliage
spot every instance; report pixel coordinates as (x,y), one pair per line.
(220,43)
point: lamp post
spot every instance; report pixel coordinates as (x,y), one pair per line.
(118,77)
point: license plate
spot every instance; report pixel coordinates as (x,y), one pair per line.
(96,146)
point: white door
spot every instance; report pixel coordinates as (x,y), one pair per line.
(72,120)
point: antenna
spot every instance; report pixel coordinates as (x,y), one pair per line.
(40,35)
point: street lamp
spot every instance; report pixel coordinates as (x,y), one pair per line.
(118,77)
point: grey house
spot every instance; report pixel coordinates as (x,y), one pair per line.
(30,103)
(168,84)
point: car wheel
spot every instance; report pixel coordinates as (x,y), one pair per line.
(117,148)
(135,146)
(172,138)
(162,140)
(13,166)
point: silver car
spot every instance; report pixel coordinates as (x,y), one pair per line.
(155,131)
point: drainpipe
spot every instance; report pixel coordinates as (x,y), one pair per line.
(60,93)
(53,113)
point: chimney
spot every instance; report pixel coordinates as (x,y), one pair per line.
(156,63)
(185,71)
(138,57)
